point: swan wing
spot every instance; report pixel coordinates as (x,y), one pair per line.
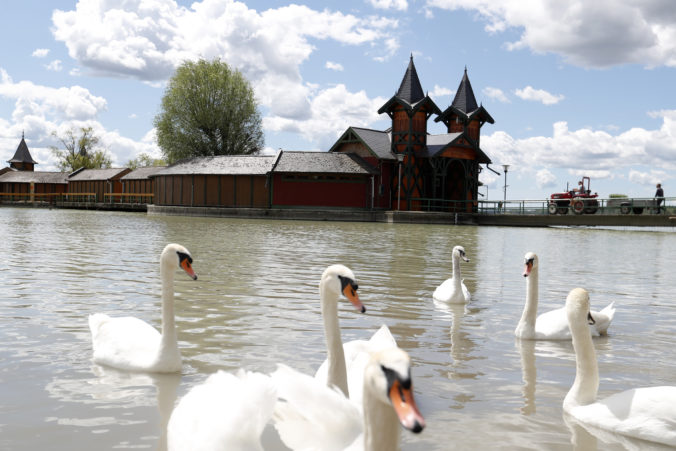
(126,343)
(227,411)
(552,325)
(311,416)
(357,353)
(446,292)
(465,292)
(603,319)
(647,413)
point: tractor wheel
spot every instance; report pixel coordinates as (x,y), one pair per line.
(590,210)
(625,209)
(551,208)
(578,207)
(637,210)
(563,210)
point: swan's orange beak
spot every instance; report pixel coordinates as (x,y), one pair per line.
(185,265)
(527,268)
(351,294)
(405,407)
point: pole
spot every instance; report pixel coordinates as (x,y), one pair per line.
(504,200)
(399,190)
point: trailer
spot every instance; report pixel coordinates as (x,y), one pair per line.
(627,205)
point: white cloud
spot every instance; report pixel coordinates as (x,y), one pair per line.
(602,33)
(40,53)
(400,5)
(538,95)
(55,66)
(331,111)
(440,91)
(587,151)
(545,179)
(148,39)
(650,178)
(74,103)
(495,93)
(40,110)
(334,66)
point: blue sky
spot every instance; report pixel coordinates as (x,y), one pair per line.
(575,87)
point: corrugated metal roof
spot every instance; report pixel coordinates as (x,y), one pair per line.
(143,173)
(378,141)
(435,143)
(222,165)
(96,174)
(35,177)
(319,162)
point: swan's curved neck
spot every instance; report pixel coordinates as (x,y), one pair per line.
(337,372)
(168,321)
(530,310)
(456,270)
(381,425)
(586,383)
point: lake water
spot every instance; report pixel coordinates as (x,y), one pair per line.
(256,303)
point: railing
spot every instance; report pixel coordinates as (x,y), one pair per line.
(612,206)
(129,198)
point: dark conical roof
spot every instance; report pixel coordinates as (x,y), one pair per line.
(410,89)
(22,155)
(464,98)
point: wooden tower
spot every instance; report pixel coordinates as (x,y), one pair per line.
(409,110)
(22,160)
(457,168)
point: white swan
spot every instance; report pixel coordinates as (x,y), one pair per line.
(647,413)
(453,290)
(343,368)
(310,415)
(552,325)
(226,412)
(129,343)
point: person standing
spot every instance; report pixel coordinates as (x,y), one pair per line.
(659,197)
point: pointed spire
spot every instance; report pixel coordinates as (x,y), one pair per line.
(464,98)
(22,154)
(410,89)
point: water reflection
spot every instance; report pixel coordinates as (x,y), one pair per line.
(528,374)
(111,389)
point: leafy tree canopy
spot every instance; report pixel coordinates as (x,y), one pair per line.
(80,150)
(144,160)
(208,109)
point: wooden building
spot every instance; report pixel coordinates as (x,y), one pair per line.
(97,181)
(22,159)
(422,171)
(138,185)
(220,181)
(32,185)
(322,179)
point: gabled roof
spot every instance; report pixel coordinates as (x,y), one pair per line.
(142,173)
(438,143)
(22,155)
(221,165)
(97,174)
(34,177)
(376,141)
(321,163)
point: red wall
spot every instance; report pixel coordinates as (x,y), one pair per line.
(303,190)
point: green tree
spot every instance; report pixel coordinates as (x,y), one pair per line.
(208,109)
(144,160)
(80,150)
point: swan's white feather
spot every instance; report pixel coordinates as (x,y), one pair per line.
(227,412)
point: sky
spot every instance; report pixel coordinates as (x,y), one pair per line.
(576,88)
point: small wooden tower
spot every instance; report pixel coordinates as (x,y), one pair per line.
(409,110)
(22,160)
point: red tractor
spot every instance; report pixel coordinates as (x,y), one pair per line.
(579,200)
